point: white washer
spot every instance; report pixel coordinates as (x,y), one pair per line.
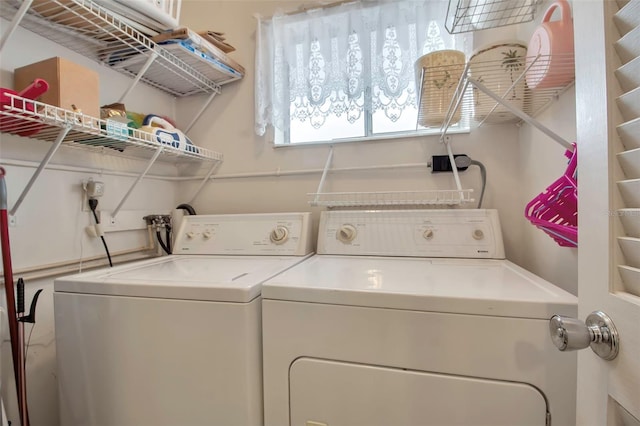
(414,318)
(175,340)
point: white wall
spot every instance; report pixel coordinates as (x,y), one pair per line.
(50,222)
(542,161)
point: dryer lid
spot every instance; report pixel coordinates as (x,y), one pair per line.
(213,278)
(467,286)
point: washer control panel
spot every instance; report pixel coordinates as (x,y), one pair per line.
(249,234)
(422,233)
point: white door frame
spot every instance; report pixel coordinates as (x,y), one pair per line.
(598,142)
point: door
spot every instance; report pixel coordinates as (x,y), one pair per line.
(607,40)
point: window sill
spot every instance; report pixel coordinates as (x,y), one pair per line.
(389,137)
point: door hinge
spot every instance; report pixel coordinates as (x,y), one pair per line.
(548,421)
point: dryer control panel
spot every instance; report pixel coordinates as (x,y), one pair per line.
(284,234)
(421,233)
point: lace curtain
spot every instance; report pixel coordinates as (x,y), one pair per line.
(345,60)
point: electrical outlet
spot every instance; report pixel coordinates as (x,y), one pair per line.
(94,189)
(91,189)
(85,201)
(442,163)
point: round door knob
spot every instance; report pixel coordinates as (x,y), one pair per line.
(347,233)
(279,235)
(598,332)
(569,334)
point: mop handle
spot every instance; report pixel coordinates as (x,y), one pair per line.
(8,271)
(3,191)
(14,331)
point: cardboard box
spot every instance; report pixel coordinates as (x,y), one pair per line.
(69,84)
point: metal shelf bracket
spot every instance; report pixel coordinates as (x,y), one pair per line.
(26,4)
(324,176)
(204,181)
(138,179)
(43,164)
(145,67)
(199,113)
(521,114)
(452,160)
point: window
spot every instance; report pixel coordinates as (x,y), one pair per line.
(346,72)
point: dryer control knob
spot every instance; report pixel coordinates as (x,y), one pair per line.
(478,234)
(428,234)
(206,235)
(347,233)
(279,235)
(190,235)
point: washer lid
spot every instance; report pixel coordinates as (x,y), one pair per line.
(214,278)
(481,287)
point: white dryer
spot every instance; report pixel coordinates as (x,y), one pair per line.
(408,318)
(175,340)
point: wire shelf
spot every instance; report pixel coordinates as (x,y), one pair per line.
(472,15)
(391,198)
(511,80)
(96,33)
(28,118)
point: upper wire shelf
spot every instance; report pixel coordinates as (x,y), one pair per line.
(94,32)
(29,118)
(525,84)
(472,15)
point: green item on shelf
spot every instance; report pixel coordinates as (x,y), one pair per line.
(135,119)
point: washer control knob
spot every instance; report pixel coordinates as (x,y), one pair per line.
(598,332)
(190,235)
(206,235)
(428,234)
(279,234)
(478,234)
(347,233)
